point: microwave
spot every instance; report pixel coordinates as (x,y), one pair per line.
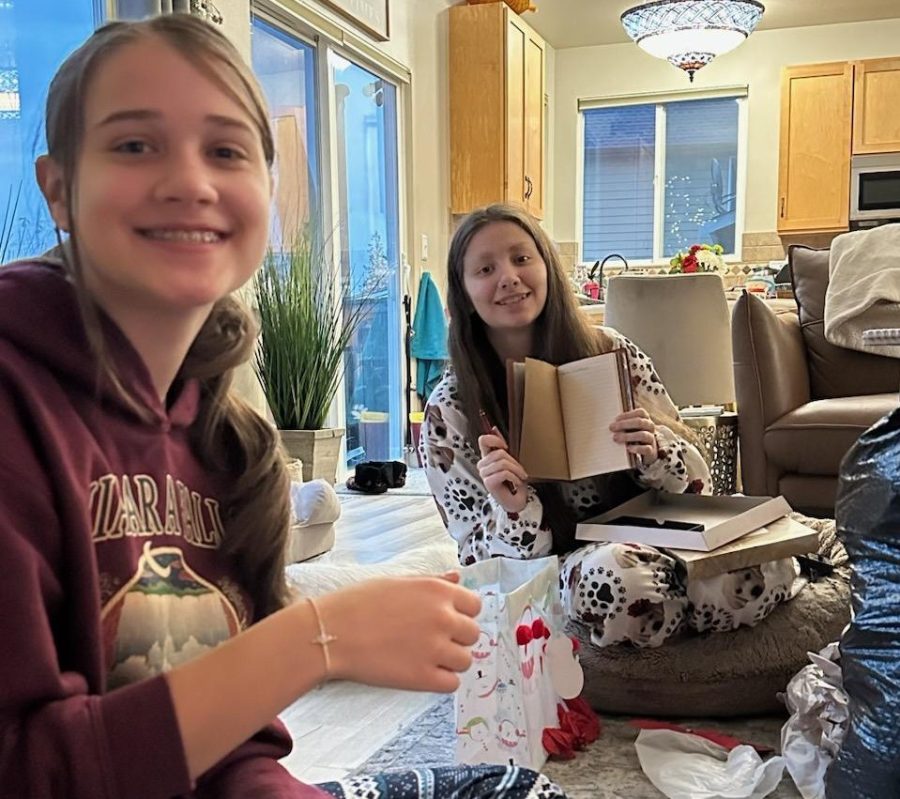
(875,187)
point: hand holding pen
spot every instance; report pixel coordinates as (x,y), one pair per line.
(502,474)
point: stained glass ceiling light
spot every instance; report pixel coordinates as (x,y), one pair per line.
(691,33)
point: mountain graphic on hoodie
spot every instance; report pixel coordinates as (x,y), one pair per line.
(165,615)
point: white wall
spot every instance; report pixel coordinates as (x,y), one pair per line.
(624,69)
(429,161)
(236,23)
(550,140)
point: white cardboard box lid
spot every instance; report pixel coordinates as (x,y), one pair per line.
(725,518)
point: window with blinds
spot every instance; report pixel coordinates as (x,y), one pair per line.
(659,177)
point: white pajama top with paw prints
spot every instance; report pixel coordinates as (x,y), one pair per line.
(623,592)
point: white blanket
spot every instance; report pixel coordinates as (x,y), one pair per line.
(863,287)
(378,536)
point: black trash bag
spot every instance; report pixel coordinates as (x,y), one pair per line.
(376,477)
(868,522)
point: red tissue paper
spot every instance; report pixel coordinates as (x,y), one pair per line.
(578,727)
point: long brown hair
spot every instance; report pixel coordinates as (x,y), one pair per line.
(561,334)
(229,437)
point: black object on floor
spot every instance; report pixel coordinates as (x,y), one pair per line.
(376,477)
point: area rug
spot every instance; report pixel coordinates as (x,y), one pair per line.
(608,769)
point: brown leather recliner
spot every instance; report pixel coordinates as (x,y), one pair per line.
(802,401)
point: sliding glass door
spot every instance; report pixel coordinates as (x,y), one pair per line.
(340,167)
(366,205)
(285,66)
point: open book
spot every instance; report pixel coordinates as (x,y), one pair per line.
(559,416)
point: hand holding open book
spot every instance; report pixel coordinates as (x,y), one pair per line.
(559,416)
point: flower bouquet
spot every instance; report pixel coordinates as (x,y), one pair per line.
(699,258)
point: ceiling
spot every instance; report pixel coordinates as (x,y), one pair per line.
(582,23)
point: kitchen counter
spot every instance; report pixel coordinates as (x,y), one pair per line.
(596,311)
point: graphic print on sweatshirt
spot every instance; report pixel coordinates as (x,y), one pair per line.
(165,596)
(164,616)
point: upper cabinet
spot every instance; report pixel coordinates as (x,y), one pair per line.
(814,162)
(828,113)
(496,109)
(876,106)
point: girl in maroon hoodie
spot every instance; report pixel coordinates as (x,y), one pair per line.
(148,639)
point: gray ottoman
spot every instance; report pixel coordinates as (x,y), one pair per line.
(722,674)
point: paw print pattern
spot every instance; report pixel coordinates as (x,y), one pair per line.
(481,528)
(622,597)
(445,393)
(543,788)
(461,497)
(674,625)
(710,617)
(742,597)
(768,603)
(678,462)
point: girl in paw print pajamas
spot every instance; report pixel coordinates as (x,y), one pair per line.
(508,299)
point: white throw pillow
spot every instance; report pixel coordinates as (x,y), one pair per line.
(315,502)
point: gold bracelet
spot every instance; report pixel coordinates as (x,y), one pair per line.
(323,638)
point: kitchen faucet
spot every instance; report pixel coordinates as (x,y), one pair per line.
(601,264)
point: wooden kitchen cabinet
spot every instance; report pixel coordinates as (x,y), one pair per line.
(814,162)
(876,106)
(497,80)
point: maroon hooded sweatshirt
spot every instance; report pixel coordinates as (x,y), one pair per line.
(110,535)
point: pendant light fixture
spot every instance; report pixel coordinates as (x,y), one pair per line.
(691,33)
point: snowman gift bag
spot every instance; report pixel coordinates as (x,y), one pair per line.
(522,666)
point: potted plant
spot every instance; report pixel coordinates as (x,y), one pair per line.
(305,327)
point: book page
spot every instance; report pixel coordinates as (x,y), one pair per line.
(591,396)
(542,448)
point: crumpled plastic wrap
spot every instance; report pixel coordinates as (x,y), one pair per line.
(868,521)
(812,736)
(684,766)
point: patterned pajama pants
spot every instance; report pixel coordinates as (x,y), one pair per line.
(448,782)
(631,592)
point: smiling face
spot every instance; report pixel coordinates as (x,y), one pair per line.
(171,188)
(505,277)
